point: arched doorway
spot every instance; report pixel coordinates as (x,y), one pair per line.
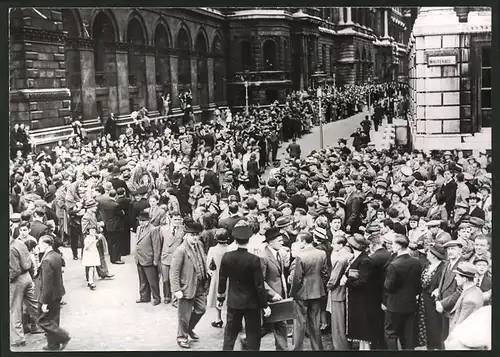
(136,64)
(104,35)
(246,56)
(162,59)
(270,57)
(184,62)
(219,70)
(202,68)
(72,61)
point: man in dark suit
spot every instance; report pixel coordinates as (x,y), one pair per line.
(228,189)
(246,295)
(296,199)
(139,205)
(37,228)
(211,178)
(308,276)
(474,210)
(293,149)
(483,277)
(117,182)
(353,208)
(171,235)
(229,222)
(189,281)
(147,259)
(447,293)
(50,290)
(449,192)
(124,204)
(377,115)
(113,226)
(381,258)
(274,281)
(402,285)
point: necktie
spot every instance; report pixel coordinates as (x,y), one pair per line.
(478,282)
(278,258)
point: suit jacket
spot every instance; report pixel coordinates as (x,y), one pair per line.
(381,258)
(38,229)
(486,283)
(229,222)
(110,212)
(158,216)
(89,221)
(272,270)
(124,209)
(448,292)
(340,262)
(224,193)
(402,284)
(117,183)
(49,284)
(353,207)
(135,208)
(470,300)
(170,242)
(477,212)
(246,281)
(212,181)
(309,274)
(182,271)
(148,249)
(449,191)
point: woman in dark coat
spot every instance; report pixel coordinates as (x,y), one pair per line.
(359,325)
(253,172)
(428,319)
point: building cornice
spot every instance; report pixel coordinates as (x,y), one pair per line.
(209,11)
(260,15)
(327,30)
(25,95)
(351,32)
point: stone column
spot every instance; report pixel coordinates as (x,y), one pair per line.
(349,18)
(174,81)
(304,79)
(211,79)
(341,15)
(194,80)
(87,70)
(386,23)
(151,104)
(122,81)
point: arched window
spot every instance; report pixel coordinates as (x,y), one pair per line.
(103,34)
(269,55)
(332,60)
(162,58)
(71,56)
(136,60)
(219,70)
(287,56)
(202,71)
(246,55)
(324,61)
(184,63)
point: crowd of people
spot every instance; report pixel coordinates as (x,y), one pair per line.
(374,247)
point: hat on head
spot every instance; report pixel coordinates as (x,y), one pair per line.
(208,189)
(486,186)
(141,190)
(481,259)
(285,205)
(348,183)
(241,231)
(15,217)
(414,218)
(438,251)
(430,183)
(144,216)
(228,179)
(433,223)
(193,227)
(454,243)
(320,233)
(243,178)
(357,241)
(108,186)
(477,222)
(40,203)
(283,222)
(472,196)
(90,203)
(372,228)
(406,170)
(323,202)
(271,234)
(466,269)
(340,200)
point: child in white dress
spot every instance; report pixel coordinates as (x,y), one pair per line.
(91,257)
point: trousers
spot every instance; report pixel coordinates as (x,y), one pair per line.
(49,322)
(114,245)
(400,325)
(234,326)
(165,274)
(149,283)
(307,312)
(190,311)
(22,290)
(339,336)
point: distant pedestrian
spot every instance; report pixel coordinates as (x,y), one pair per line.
(293,149)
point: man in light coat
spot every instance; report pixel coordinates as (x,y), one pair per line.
(171,235)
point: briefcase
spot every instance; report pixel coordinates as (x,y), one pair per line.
(282,310)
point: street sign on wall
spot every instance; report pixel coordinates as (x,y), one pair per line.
(441,57)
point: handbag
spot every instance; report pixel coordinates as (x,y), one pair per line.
(212,265)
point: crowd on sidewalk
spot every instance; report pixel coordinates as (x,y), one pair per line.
(372,246)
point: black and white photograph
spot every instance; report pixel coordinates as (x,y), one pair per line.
(250,178)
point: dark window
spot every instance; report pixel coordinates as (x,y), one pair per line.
(269,52)
(485,85)
(246,55)
(287,55)
(323,53)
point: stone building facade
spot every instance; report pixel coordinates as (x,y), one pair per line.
(96,61)
(450,78)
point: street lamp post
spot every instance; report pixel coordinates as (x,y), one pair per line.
(320,119)
(246,97)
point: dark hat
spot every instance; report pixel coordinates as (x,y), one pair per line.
(414,218)
(207,189)
(283,222)
(144,216)
(481,259)
(466,269)
(141,190)
(276,164)
(243,178)
(472,196)
(116,170)
(241,231)
(90,203)
(357,241)
(438,251)
(193,227)
(478,222)
(272,233)
(454,243)
(434,223)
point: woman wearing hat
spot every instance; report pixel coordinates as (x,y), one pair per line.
(214,258)
(397,204)
(359,294)
(437,211)
(428,319)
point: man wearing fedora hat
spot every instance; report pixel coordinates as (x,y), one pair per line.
(189,281)
(246,295)
(353,207)
(274,280)
(147,259)
(471,297)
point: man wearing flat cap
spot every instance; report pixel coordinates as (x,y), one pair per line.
(439,235)
(147,258)
(447,292)
(471,297)
(189,282)
(246,295)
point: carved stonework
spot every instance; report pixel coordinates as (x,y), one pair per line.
(37,95)
(39,35)
(118,46)
(78,43)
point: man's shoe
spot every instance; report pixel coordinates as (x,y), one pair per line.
(64,344)
(140,301)
(109,276)
(118,262)
(19,344)
(50,348)
(157,302)
(193,335)
(183,344)
(36,330)
(167,301)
